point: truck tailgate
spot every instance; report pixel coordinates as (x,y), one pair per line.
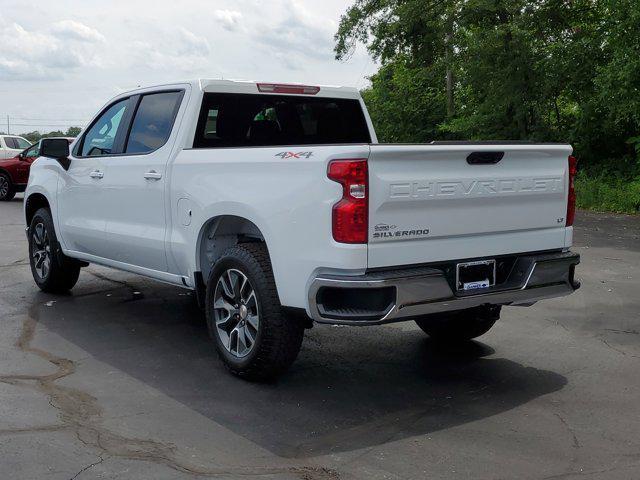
(428,203)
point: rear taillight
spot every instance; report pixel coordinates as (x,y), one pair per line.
(351,214)
(287,88)
(571,198)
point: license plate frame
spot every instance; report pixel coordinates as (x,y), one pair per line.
(477,275)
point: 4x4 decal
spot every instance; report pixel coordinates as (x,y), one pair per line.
(284,155)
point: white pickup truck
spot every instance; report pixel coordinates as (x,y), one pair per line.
(278,206)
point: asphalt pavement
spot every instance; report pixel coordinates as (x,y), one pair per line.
(119,380)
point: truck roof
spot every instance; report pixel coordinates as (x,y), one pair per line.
(252,86)
(259,87)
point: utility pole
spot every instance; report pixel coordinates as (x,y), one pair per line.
(8,126)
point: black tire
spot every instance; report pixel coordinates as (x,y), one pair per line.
(7,190)
(460,325)
(62,272)
(277,339)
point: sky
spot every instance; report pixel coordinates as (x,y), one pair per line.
(61,61)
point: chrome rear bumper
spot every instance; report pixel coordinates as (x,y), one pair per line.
(397,295)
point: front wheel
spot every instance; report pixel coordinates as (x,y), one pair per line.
(460,325)
(253,336)
(52,271)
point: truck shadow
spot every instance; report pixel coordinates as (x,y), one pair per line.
(350,388)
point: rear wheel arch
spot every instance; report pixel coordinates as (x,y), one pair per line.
(220,233)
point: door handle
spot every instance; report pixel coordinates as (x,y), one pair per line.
(484,158)
(152,175)
(96,174)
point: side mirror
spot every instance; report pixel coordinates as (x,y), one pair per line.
(56,148)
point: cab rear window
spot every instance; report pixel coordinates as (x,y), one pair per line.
(243,120)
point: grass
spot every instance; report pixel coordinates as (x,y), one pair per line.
(608,194)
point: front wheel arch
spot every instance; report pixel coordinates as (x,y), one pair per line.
(33,203)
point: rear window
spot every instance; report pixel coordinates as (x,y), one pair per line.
(241,120)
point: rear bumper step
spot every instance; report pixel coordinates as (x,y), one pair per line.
(389,296)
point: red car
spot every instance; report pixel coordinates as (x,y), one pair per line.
(14,172)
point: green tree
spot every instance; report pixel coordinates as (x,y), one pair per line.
(35,136)
(73,131)
(507,60)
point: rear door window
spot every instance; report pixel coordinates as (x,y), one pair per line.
(22,143)
(238,120)
(153,122)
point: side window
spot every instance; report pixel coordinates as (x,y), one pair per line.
(10,142)
(21,143)
(153,122)
(211,126)
(100,137)
(33,151)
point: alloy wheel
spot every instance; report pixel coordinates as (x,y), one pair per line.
(236,314)
(41,251)
(4,186)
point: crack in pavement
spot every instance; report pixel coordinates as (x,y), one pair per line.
(84,469)
(621,352)
(80,412)
(14,264)
(576,442)
(581,472)
(629,332)
(45,428)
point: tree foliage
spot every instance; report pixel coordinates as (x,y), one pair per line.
(36,135)
(542,70)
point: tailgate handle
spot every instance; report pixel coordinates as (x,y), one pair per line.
(484,158)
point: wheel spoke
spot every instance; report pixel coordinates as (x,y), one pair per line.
(222,304)
(233,339)
(253,321)
(242,341)
(41,258)
(234,279)
(250,301)
(243,285)
(235,343)
(45,267)
(223,321)
(37,235)
(249,336)
(227,286)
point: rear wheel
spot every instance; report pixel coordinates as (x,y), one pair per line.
(253,336)
(460,325)
(7,190)
(52,271)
